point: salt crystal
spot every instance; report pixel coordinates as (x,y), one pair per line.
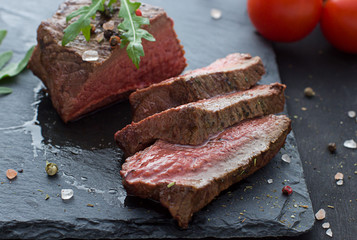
(216,14)
(351,114)
(112,191)
(84,178)
(329,232)
(108,25)
(270,181)
(321,214)
(339,182)
(292,216)
(338,176)
(286,158)
(90,56)
(326,225)
(350,144)
(66,194)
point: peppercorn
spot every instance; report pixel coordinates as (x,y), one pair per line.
(309,92)
(138,12)
(114,41)
(51,168)
(108,34)
(287,190)
(332,147)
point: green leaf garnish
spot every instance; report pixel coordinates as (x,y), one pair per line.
(132,33)
(5,90)
(2,35)
(5,57)
(83,23)
(13,69)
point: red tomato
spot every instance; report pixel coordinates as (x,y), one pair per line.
(339,24)
(285,20)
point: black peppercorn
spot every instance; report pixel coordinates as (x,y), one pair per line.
(332,147)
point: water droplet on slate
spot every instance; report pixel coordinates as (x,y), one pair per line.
(286,158)
(84,178)
(216,14)
(90,56)
(66,194)
(350,144)
(112,191)
(351,114)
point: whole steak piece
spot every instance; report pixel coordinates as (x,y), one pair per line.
(77,85)
(186,178)
(236,72)
(194,123)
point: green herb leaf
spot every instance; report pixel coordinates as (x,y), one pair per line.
(5,57)
(15,68)
(132,33)
(170,184)
(111,2)
(5,90)
(83,23)
(2,35)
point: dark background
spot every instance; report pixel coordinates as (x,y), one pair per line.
(313,62)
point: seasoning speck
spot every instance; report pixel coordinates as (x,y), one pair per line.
(66,194)
(11,174)
(90,205)
(90,56)
(170,184)
(329,232)
(108,25)
(351,114)
(339,176)
(47,197)
(270,181)
(309,92)
(216,14)
(21,171)
(326,225)
(321,214)
(286,158)
(339,182)
(350,144)
(332,147)
(51,168)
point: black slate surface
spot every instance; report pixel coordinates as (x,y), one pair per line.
(31,133)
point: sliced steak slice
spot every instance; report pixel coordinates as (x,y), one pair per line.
(77,86)
(233,73)
(186,178)
(194,123)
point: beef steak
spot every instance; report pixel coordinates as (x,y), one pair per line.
(186,178)
(77,86)
(233,73)
(193,123)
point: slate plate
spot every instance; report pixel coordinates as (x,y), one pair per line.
(31,133)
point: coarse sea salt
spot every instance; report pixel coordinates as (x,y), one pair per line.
(216,14)
(339,182)
(351,114)
(329,232)
(350,144)
(270,181)
(286,158)
(66,194)
(326,225)
(321,214)
(90,56)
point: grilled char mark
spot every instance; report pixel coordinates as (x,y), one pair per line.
(236,72)
(194,123)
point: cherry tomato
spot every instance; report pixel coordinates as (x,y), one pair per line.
(138,12)
(285,20)
(339,24)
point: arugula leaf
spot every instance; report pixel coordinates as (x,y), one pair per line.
(111,3)
(83,23)
(5,90)
(132,33)
(2,35)
(15,68)
(5,57)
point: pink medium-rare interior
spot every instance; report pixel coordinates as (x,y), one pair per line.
(165,163)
